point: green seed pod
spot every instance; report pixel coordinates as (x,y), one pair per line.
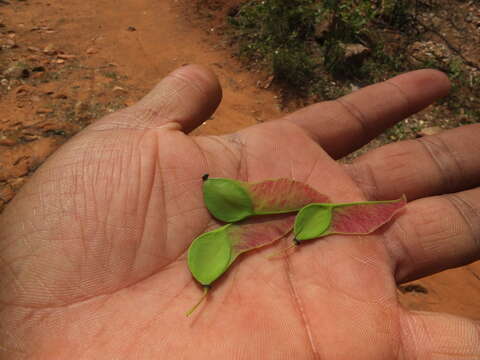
(227,199)
(312,221)
(212,253)
(359,218)
(232,200)
(209,255)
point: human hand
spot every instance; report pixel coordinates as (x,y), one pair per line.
(93,249)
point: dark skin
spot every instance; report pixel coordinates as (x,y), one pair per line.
(93,249)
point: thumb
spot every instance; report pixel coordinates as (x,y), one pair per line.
(187,96)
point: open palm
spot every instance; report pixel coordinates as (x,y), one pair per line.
(93,249)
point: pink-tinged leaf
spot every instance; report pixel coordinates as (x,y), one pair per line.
(363,218)
(282,195)
(254,233)
(261,231)
(231,200)
(239,238)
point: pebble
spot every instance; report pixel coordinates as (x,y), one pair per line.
(29,137)
(91,51)
(355,50)
(430,131)
(10,44)
(16,71)
(66,56)
(49,49)
(119,90)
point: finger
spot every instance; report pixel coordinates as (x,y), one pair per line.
(435,234)
(187,96)
(439,336)
(439,164)
(348,123)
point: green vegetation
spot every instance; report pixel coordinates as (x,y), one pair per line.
(300,39)
(278,33)
(321,49)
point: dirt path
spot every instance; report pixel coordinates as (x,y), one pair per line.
(162,40)
(78,60)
